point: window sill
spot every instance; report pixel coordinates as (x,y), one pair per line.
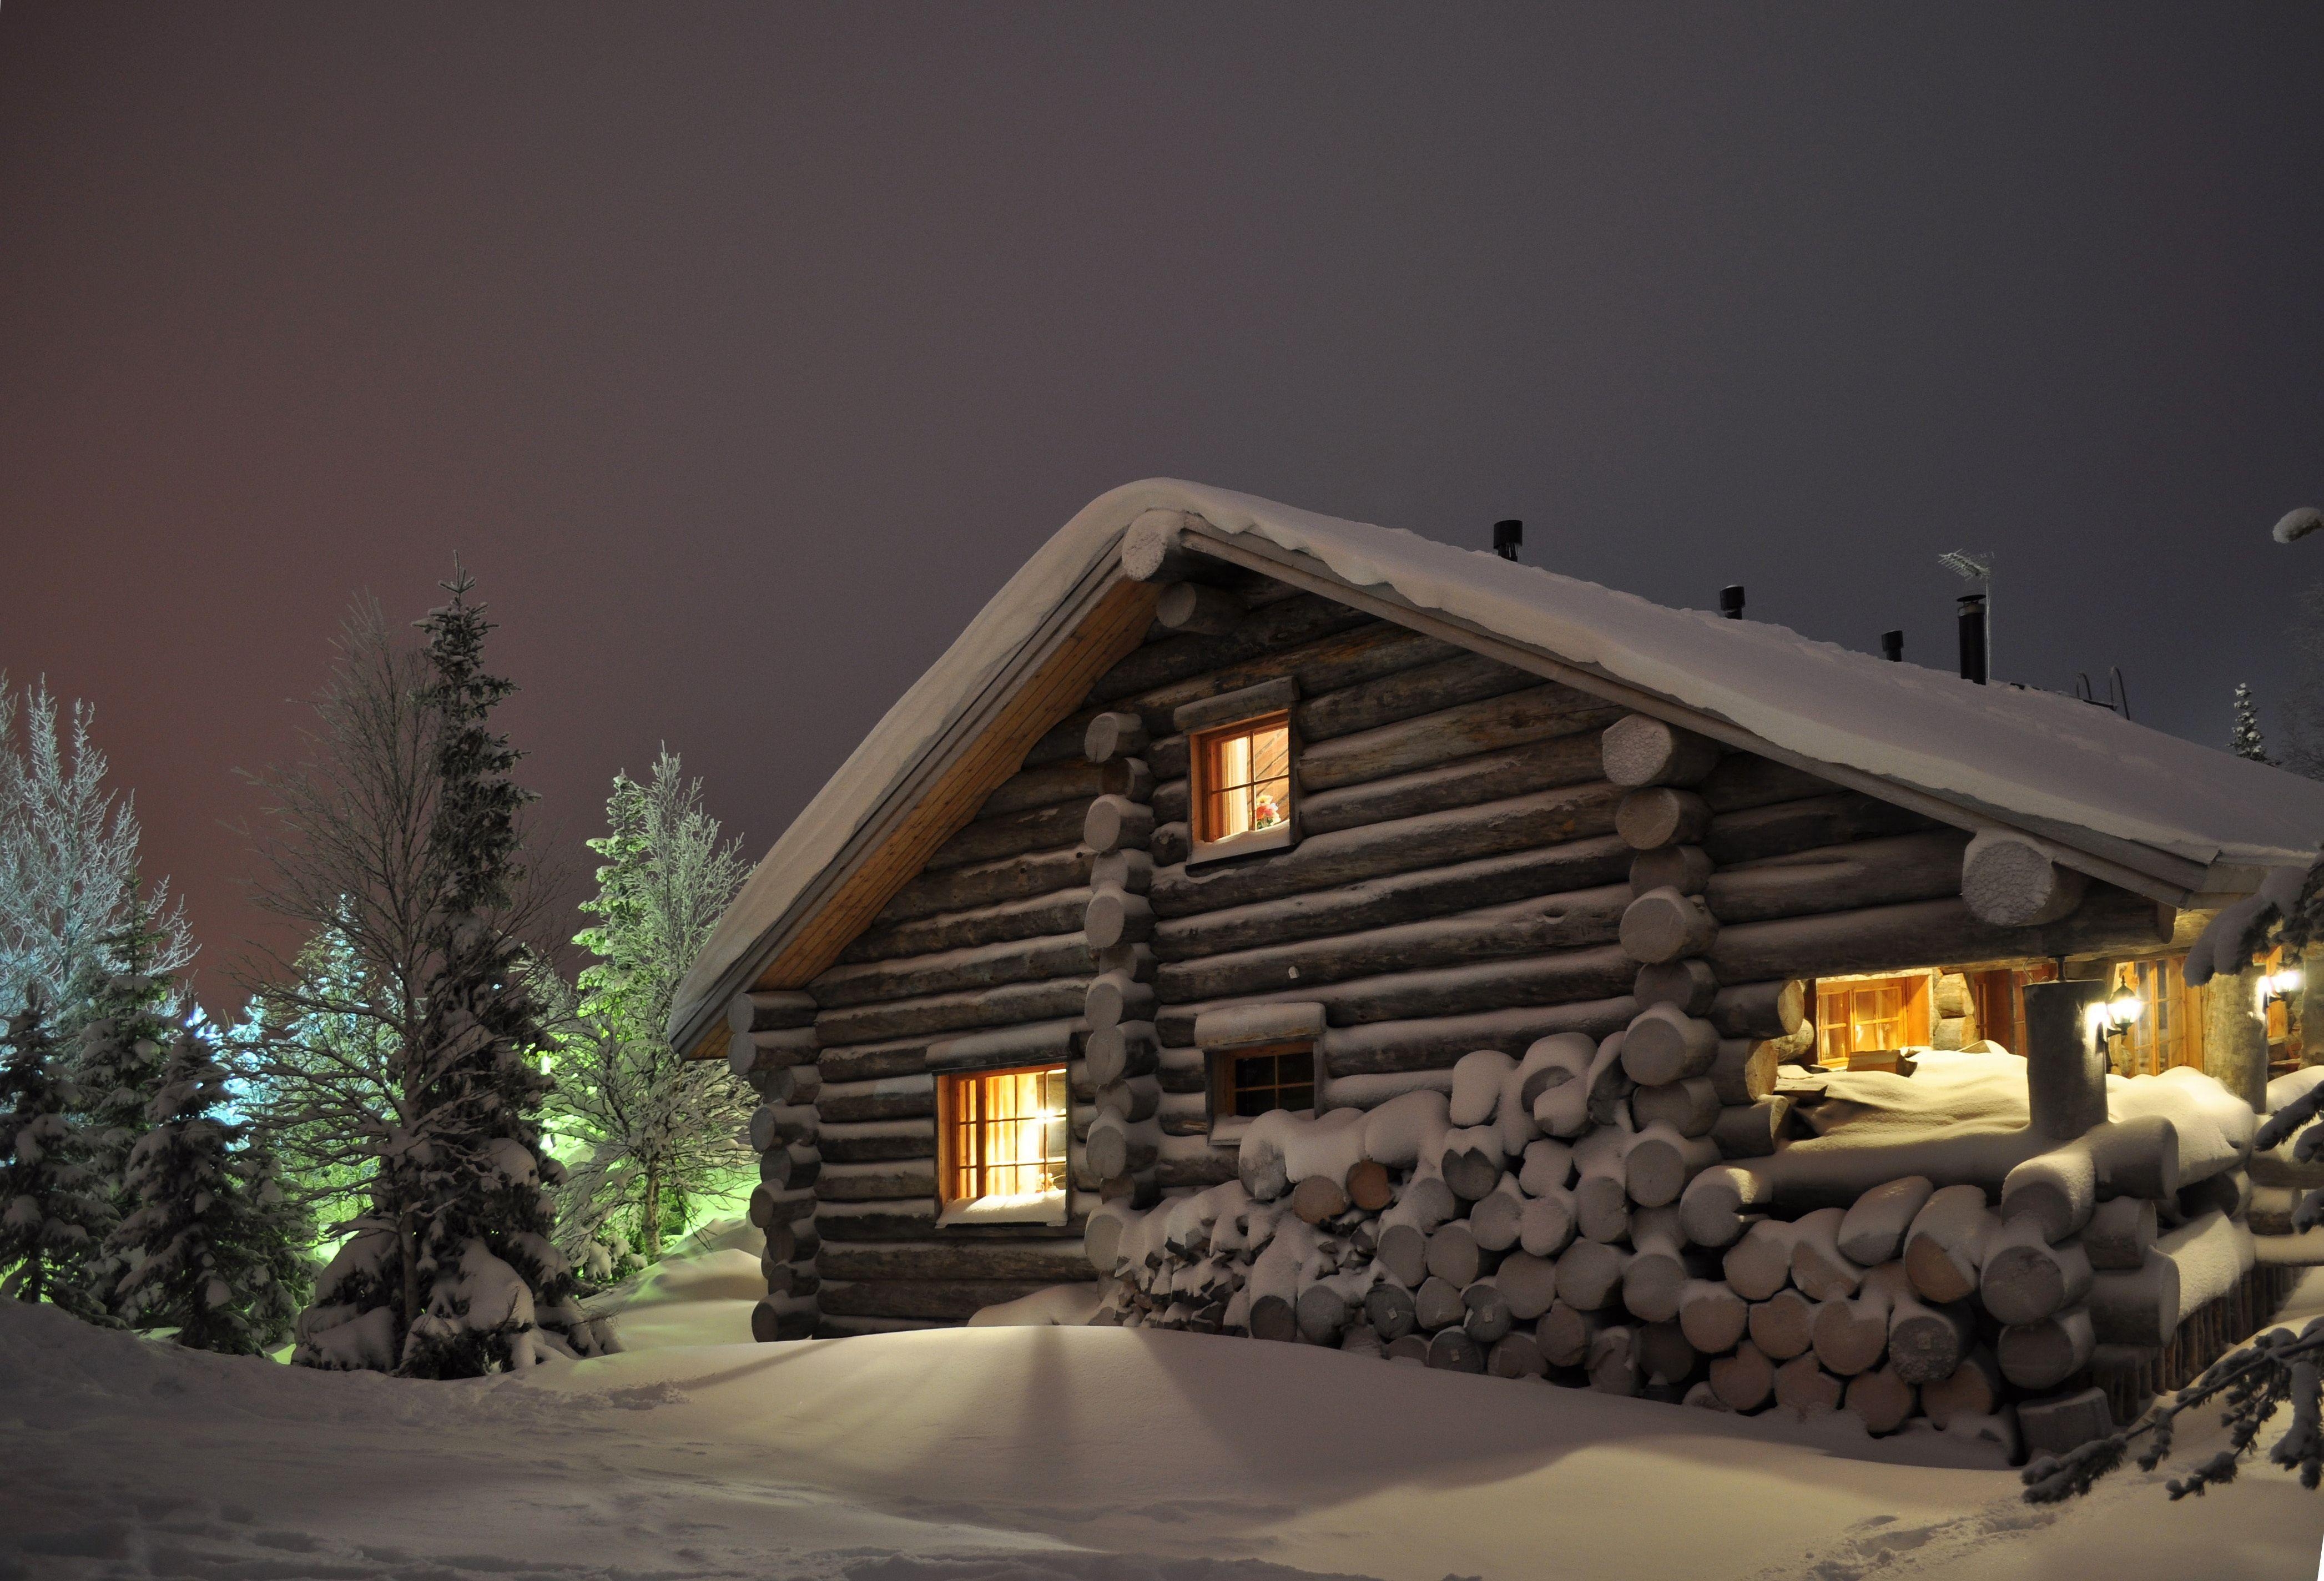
(1228,1130)
(1041,1208)
(1258,841)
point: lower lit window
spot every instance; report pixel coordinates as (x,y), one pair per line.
(1003,1140)
(1246,1083)
(1242,785)
(1862,1015)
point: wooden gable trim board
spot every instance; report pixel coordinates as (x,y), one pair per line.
(2171,880)
(1106,616)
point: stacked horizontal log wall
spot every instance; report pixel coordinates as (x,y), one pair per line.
(986,942)
(1455,883)
(1461,883)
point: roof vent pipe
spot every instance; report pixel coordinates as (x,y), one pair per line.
(1892,646)
(1972,637)
(1730,602)
(1507,536)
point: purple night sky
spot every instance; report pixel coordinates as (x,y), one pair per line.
(743,351)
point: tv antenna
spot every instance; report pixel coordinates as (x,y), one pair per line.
(1979,569)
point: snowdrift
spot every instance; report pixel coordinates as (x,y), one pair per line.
(1026,1454)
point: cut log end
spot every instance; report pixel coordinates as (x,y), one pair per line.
(2010,881)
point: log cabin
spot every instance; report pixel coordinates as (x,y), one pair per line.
(1227,830)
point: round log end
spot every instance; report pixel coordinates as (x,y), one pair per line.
(2010,881)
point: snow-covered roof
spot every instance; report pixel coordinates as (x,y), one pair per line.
(2080,776)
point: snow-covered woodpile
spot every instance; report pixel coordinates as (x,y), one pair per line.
(1503,1228)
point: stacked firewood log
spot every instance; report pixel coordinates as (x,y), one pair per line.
(1447,1229)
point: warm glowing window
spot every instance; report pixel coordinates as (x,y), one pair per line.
(1242,783)
(2169,1030)
(1004,1135)
(1858,1015)
(1249,1082)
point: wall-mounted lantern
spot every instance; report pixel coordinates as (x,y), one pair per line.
(2279,986)
(2120,1012)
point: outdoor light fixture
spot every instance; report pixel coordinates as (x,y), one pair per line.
(2121,1012)
(2278,986)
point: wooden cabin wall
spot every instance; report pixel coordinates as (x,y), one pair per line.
(1460,882)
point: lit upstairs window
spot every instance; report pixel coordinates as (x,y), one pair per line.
(1001,1143)
(1241,793)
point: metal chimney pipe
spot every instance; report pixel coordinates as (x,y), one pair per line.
(1507,536)
(1972,637)
(1730,602)
(1892,646)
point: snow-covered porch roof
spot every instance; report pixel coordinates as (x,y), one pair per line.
(2127,804)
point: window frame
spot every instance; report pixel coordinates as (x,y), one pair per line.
(1201,756)
(1227,1126)
(1914,1012)
(948,1162)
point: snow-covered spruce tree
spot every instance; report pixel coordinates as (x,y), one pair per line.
(129,1013)
(283,1227)
(67,860)
(2244,739)
(2279,1367)
(51,1214)
(212,1250)
(453,1274)
(660,1131)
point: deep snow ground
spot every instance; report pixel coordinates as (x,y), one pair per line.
(1004,1454)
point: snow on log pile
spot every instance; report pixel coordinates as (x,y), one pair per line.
(1476,1232)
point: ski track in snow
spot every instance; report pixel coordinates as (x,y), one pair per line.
(1010,1455)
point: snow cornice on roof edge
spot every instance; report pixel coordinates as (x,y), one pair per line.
(2123,802)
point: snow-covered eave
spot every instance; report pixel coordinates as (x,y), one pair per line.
(904,788)
(2188,872)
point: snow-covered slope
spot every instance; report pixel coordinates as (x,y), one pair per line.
(701,1293)
(1022,1454)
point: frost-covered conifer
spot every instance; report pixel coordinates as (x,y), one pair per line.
(209,1248)
(456,1255)
(2245,740)
(660,1131)
(51,1215)
(67,862)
